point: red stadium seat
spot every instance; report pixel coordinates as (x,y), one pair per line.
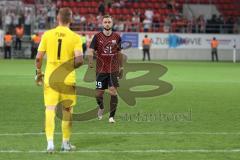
(65,4)
(125,11)
(74,10)
(72,4)
(142,5)
(82,10)
(85,7)
(94,4)
(118,11)
(135,5)
(82,3)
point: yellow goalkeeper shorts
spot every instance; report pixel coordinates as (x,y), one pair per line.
(52,97)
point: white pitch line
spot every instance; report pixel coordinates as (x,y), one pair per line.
(135,151)
(124,133)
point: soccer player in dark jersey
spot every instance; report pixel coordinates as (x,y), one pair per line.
(109,65)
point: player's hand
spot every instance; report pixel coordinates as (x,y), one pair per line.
(39,77)
(120,74)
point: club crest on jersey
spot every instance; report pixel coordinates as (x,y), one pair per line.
(108,49)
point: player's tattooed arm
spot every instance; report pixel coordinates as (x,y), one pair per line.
(38,61)
(78,60)
(120,59)
(90,57)
(38,64)
(120,62)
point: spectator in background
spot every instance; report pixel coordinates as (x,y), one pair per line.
(229,25)
(156,22)
(8,21)
(77,18)
(149,14)
(121,26)
(99,21)
(27,22)
(84,44)
(21,17)
(182,25)
(19,31)
(16,17)
(109,7)
(127,25)
(212,25)
(91,23)
(52,15)
(118,4)
(115,25)
(7,45)
(41,20)
(235,26)
(220,22)
(146,44)
(238,25)
(137,12)
(135,22)
(35,43)
(48,17)
(1,25)
(201,24)
(101,8)
(214,46)
(191,27)
(83,22)
(169,5)
(172,5)
(167,24)
(147,25)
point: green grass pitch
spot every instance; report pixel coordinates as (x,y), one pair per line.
(200,117)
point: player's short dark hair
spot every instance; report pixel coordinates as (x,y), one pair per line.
(107,16)
(65,15)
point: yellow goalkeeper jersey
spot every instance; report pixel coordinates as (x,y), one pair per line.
(59,45)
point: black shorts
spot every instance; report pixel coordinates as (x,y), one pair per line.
(105,80)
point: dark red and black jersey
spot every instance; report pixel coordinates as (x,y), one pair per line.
(106,49)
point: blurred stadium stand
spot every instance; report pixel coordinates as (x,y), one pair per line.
(162,16)
(123,12)
(129,15)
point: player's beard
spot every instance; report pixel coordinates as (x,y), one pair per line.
(107,29)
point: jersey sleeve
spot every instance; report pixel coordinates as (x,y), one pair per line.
(93,43)
(78,45)
(43,44)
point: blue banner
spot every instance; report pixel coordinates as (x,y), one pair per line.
(132,37)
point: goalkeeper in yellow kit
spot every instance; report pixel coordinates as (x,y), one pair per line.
(60,45)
